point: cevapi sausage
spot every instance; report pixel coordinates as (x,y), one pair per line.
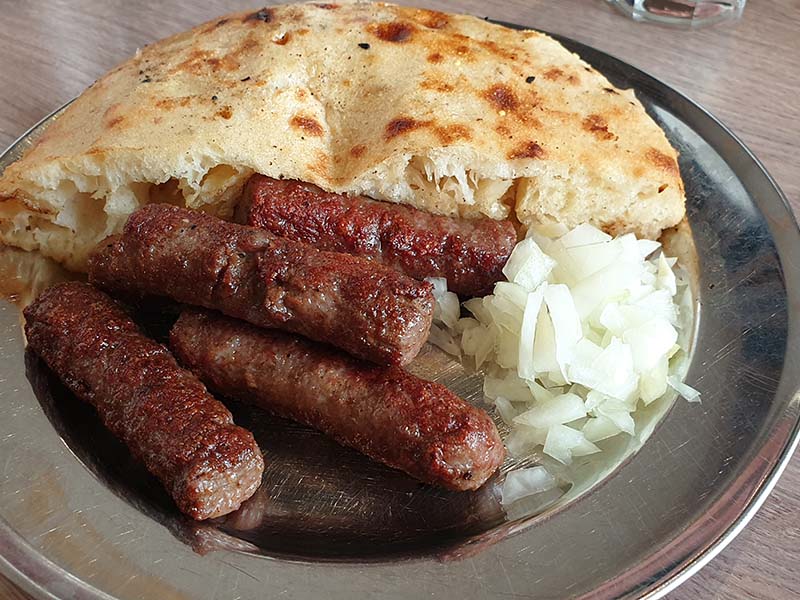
(162,412)
(407,423)
(364,308)
(469,253)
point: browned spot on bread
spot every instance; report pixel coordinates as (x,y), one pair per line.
(435,57)
(283,38)
(402,125)
(662,161)
(265,15)
(321,165)
(501,97)
(226,63)
(170,103)
(556,74)
(358,150)
(662,187)
(611,91)
(598,126)
(431,19)
(115,121)
(450,133)
(494,48)
(248,44)
(346,83)
(226,112)
(526,150)
(327,6)
(194,63)
(300,94)
(502,130)
(436,85)
(396,31)
(307,124)
(302,31)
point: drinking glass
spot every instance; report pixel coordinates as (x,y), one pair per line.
(682,13)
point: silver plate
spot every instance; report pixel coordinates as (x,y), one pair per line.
(79,519)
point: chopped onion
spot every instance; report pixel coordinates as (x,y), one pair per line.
(441,338)
(566,323)
(587,329)
(562,440)
(505,409)
(447,309)
(522,483)
(649,342)
(528,332)
(600,428)
(688,392)
(561,409)
(528,266)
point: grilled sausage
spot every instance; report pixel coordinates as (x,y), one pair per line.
(366,309)
(407,423)
(162,412)
(469,253)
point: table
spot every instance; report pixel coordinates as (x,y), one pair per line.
(747,74)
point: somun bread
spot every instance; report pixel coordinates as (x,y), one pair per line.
(449,113)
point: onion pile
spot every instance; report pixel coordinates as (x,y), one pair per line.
(585,330)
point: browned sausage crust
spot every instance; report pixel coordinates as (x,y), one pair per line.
(469,253)
(391,416)
(364,308)
(163,413)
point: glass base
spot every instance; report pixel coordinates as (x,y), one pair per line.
(682,13)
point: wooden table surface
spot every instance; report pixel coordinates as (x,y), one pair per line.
(747,74)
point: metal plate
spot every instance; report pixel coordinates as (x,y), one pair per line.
(79,519)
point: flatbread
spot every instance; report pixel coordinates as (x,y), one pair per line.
(449,113)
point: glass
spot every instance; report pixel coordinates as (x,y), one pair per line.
(682,13)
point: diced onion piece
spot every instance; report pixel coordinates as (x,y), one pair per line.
(522,483)
(584,235)
(649,342)
(647,247)
(653,383)
(511,387)
(687,391)
(544,345)
(607,284)
(522,440)
(540,393)
(478,307)
(478,342)
(442,339)
(666,277)
(658,303)
(527,334)
(466,323)
(566,323)
(447,308)
(611,373)
(561,409)
(528,266)
(560,442)
(600,428)
(505,409)
(585,448)
(619,416)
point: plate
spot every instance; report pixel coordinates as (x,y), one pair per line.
(80,519)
